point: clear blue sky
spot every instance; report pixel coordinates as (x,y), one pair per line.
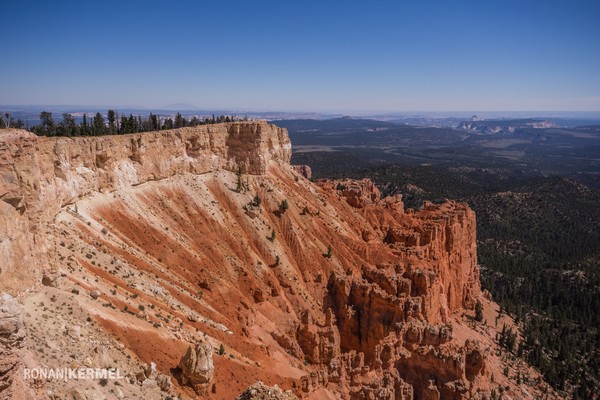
(303,55)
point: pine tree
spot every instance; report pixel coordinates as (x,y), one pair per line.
(329,252)
(112,124)
(179,121)
(283,207)
(155,122)
(84,125)
(131,122)
(69,126)
(98,124)
(239,185)
(48,125)
(168,124)
(124,125)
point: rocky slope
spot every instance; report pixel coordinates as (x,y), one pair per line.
(39,176)
(198,262)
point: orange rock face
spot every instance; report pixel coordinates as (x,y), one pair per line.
(40,175)
(341,295)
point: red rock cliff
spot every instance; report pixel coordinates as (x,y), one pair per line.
(157,245)
(40,175)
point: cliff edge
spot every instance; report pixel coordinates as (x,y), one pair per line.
(40,175)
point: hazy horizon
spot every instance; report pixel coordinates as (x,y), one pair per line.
(488,114)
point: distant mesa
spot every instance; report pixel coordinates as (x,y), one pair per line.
(502,126)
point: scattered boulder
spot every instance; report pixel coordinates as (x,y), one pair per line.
(367,235)
(164,382)
(303,170)
(197,364)
(192,318)
(74,331)
(119,393)
(48,280)
(260,391)
(149,383)
(150,370)
(77,394)
(259,296)
(50,277)
(475,358)
(102,357)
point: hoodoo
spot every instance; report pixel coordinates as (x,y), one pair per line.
(143,247)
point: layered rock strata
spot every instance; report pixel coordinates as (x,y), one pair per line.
(202,253)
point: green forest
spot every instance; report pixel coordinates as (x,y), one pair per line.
(115,124)
(538,243)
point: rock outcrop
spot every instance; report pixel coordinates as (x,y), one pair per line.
(358,193)
(12,342)
(196,365)
(40,175)
(304,170)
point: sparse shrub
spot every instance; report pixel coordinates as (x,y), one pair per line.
(221,349)
(329,252)
(239,184)
(273,235)
(75,291)
(283,206)
(256,201)
(493,394)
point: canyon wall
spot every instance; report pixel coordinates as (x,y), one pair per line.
(40,175)
(203,262)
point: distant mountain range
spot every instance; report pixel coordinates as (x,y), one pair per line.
(503,125)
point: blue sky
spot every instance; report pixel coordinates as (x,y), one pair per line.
(324,55)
